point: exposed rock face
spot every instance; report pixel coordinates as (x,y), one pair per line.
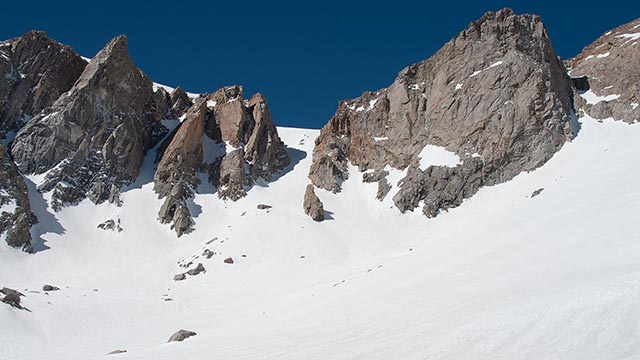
(96,134)
(312,204)
(612,67)
(440,187)
(179,101)
(34,72)
(175,179)
(497,90)
(15,211)
(231,176)
(233,142)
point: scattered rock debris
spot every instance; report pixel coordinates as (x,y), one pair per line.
(110,225)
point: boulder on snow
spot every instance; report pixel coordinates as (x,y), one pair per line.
(197,270)
(179,277)
(48,287)
(312,204)
(181,335)
(228,260)
(12,297)
(264,206)
(114,352)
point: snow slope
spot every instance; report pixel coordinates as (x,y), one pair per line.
(504,276)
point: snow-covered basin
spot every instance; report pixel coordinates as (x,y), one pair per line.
(504,276)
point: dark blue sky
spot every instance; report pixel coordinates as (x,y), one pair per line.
(304,57)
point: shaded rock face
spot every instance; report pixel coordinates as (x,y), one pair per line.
(497,90)
(15,211)
(312,204)
(94,137)
(231,141)
(34,72)
(175,179)
(611,64)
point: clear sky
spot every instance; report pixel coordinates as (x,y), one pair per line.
(303,56)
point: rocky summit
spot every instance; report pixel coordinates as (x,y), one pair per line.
(497,97)
(92,140)
(37,70)
(232,141)
(608,76)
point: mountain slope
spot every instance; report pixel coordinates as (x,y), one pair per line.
(539,264)
(503,276)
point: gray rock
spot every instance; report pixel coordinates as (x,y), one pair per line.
(208,253)
(379,176)
(312,204)
(536,193)
(498,89)
(115,352)
(110,225)
(16,217)
(181,335)
(197,270)
(95,136)
(264,206)
(12,297)
(610,66)
(179,277)
(229,260)
(50,288)
(34,72)
(230,176)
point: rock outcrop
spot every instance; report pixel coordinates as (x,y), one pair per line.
(312,204)
(232,142)
(94,137)
(610,73)
(34,72)
(497,95)
(16,218)
(175,179)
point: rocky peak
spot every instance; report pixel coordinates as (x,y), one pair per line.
(231,141)
(34,72)
(608,75)
(94,137)
(496,92)
(180,102)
